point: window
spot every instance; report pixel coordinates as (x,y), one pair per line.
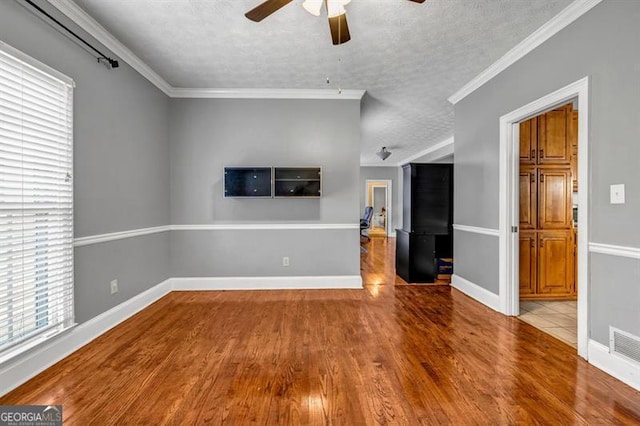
(36,202)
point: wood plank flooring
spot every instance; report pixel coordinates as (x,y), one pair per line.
(388,354)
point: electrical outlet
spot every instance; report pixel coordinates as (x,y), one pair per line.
(114,286)
(285,261)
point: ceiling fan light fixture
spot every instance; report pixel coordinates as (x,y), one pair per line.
(383,153)
(313,6)
(335,8)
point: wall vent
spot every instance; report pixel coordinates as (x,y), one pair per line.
(625,344)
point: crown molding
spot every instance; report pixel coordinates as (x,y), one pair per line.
(379,165)
(97,31)
(542,34)
(446,146)
(178,92)
(81,18)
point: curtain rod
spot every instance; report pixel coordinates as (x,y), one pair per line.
(112,62)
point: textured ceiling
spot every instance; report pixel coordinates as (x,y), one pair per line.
(408,57)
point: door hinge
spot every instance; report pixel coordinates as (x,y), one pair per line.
(514,229)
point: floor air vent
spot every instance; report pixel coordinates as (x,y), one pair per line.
(623,343)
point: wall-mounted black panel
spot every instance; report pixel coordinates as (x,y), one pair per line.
(247,182)
(297,182)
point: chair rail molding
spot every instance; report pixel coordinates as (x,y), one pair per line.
(477,230)
(114,236)
(614,250)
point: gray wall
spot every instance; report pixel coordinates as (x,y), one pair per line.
(121,162)
(449,159)
(383,173)
(208,134)
(602,44)
(442,155)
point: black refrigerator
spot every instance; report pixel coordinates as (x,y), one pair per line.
(427,225)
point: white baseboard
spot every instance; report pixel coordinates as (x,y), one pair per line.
(267,283)
(15,373)
(617,366)
(474,291)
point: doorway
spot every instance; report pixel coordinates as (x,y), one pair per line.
(547,226)
(378,196)
(510,187)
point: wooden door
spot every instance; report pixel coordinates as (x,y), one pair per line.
(528,141)
(528,263)
(528,198)
(573,138)
(555,209)
(556,263)
(554,145)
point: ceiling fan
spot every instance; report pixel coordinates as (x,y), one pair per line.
(335,12)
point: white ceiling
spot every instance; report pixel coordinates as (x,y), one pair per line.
(408,57)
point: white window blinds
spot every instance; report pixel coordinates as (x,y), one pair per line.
(36,203)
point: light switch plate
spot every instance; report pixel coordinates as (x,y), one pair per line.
(617,194)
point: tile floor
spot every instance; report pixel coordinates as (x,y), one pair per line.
(558,318)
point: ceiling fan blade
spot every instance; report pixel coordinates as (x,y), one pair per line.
(339,29)
(265,9)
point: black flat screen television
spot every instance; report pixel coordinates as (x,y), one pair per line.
(247,182)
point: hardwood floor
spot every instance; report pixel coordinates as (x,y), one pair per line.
(388,354)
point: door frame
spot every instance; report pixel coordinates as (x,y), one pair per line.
(509,196)
(368,199)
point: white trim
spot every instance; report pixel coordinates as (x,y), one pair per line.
(610,249)
(508,194)
(617,366)
(30,364)
(114,236)
(476,292)
(542,34)
(97,31)
(103,238)
(81,18)
(379,164)
(179,92)
(36,64)
(266,227)
(266,283)
(477,230)
(446,147)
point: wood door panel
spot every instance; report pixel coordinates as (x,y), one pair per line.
(528,198)
(556,263)
(528,262)
(554,144)
(528,141)
(554,198)
(573,138)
